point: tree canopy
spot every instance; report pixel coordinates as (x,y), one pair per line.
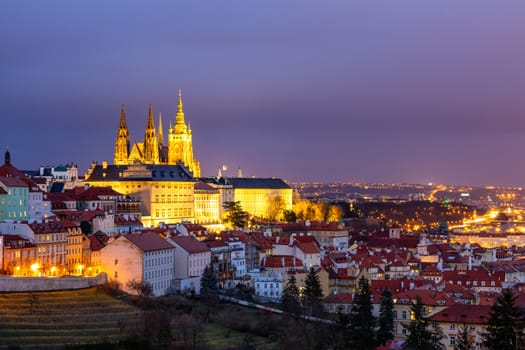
(386,318)
(505,327)
(208,281)
(312,293)
(236,217)
(290,301)
(362,322)
(420,334)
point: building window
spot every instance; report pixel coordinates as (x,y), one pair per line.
(452,340)
(404,315)
(116,262)
(116,274)
(452,326)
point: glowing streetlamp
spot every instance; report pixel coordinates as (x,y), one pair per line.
(34,268)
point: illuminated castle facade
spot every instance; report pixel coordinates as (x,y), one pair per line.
(154,150)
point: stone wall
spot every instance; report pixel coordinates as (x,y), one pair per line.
(39,284)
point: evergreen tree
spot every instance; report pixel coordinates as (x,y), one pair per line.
(342,338)
(289,216)
(235,215)
(436,337)
(362,322)
(386,318)
(313,294)
(505,326)
(419,336)
(463,340)
(290,299)
(208,281)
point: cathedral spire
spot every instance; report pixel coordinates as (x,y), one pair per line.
(123,118)
(150,124)
(122,141)
(180,124)
(151,150)
(160,135)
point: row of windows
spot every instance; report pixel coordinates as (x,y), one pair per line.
(175,187)
(74,251)
(198,262)
(23,254)
(53,237)
(21,214)
(174,212)
(277,294)
(475,283)
(158,273)
(158,261)
(161,285)
(52,249)
(168,199)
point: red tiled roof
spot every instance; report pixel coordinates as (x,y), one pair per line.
(203,186)
(463,314)
(148,242)
(215,244)
(431,270)
(16,241)
(190,244)
(94,243)
(341,298)
(60,196)
(278,261)
(78,215)
(428,297)
(338,257)
(50,227)
(194,227)
(8,170)
(454,276)
(12,182)
(308,247)
(125,219)
(94,193)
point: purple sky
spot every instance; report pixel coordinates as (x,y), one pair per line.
(391,91)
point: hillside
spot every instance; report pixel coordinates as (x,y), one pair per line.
(51,320)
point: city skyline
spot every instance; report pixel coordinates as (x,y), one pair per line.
(403,92)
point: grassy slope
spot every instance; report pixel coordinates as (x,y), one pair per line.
(90,316)
(54,319)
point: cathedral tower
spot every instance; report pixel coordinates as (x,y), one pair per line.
(151,149)
(180,144)
(122,141)
(154,149)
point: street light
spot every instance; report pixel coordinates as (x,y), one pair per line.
(34,268)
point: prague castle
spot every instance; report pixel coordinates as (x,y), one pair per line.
(166,179)
(154,150)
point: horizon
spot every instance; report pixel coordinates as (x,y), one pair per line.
(378,93)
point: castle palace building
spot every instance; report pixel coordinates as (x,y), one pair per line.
(154,150)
